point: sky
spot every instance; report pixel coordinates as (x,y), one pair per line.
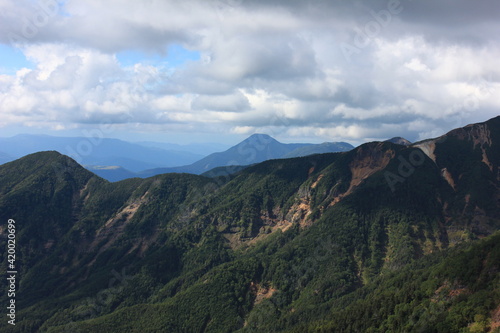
(221,70)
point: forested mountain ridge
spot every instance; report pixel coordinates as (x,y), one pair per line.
(381,238)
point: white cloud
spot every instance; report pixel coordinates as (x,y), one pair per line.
(235,102)
(270,66)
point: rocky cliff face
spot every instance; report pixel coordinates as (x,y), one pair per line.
(321,226)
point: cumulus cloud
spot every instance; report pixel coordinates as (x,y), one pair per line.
(236,102)
(332,70)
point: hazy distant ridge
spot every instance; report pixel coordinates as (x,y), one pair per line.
(89,151)
(255,149)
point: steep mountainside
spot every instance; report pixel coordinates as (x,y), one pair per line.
(381,238)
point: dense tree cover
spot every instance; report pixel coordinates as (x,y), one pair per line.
(186,253)
(454,291)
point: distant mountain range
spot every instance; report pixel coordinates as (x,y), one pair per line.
(382,238)
(93,151)
(116,160)
(111,173)
(400,141)
(202,149)
(255,149)
(4,158)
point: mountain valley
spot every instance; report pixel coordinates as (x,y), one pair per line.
(385,237)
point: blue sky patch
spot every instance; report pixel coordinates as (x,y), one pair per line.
(176,56)
(12,60)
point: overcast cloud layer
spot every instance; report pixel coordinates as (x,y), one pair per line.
(298,70)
